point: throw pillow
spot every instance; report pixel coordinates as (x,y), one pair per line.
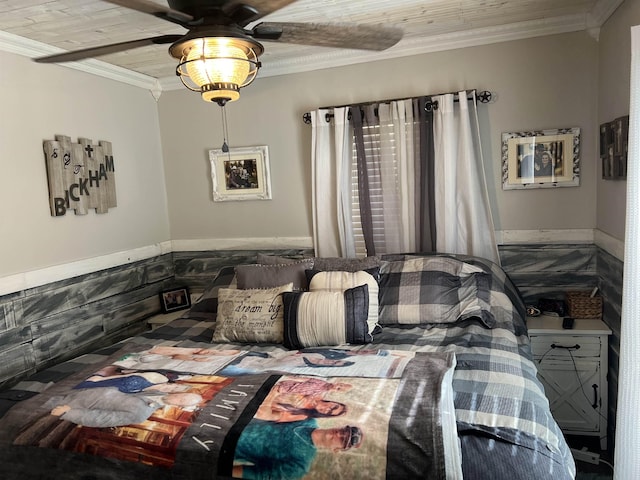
(475,301)
(314,319)
(448,265)
(324,263)
(345,264)
(270,276)
(433,290)
(250,316)
(336,281)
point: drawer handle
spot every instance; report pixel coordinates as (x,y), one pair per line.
(595,395)
(566,347)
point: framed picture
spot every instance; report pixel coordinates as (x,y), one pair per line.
(175,299)
(541,159)
(240,174)
(614,146)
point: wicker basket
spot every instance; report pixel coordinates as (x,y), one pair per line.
(582,305)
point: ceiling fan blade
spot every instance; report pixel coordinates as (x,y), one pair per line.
(152,8)
(340,35)
(106,49)
(263,8)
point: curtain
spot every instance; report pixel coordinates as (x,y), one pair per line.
(386,140)
(419,178)
(404,133)
(628,417)
(330,185)
(370,147)
(424,162)
(463,219)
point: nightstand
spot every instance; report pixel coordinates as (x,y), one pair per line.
(572,366)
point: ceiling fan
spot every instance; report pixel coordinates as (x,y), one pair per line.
(218,55)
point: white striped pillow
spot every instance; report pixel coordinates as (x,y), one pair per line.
(314,319)
(335,281)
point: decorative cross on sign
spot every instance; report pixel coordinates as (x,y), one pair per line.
(81,176)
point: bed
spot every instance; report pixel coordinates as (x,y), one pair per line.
(405,366)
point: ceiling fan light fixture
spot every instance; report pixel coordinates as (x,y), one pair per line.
(217,67)
(220,92)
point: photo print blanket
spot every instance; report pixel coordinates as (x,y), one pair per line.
(201,412)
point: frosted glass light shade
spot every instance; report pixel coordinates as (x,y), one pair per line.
(217,67)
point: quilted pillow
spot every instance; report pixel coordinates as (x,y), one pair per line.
(270,276)
(314,319)
(250,316)
(336,281)
(433,290)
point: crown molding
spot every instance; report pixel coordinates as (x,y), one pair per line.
(602,10)
(33,49)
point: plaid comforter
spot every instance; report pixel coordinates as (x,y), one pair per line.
(504,424)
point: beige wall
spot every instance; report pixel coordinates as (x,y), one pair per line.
(613,101)
(541,83)
(40,101)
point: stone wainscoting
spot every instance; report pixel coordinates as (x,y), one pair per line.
(47,324)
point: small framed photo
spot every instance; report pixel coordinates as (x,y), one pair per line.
(175,299)
(240,174)
(541,159)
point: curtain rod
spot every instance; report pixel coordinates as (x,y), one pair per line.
(484,96)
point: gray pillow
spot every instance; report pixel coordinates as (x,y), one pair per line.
(271,276)
(325,264)
(345,264)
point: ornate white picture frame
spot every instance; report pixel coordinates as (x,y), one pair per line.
(240,174)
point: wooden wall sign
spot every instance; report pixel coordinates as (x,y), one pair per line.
(81,175)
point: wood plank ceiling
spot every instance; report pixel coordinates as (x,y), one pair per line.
(429,25)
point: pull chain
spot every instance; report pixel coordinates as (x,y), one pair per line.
(225,146)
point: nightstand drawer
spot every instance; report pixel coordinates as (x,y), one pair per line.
(572,366)
(560,345)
